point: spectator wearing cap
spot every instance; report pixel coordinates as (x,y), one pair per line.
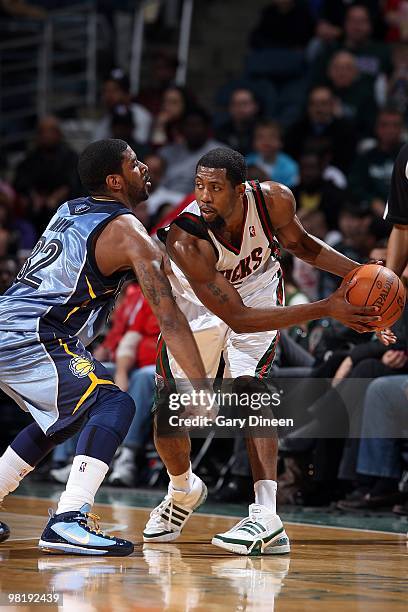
(116,92)
(181,158)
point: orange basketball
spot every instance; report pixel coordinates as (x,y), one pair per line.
(377,286)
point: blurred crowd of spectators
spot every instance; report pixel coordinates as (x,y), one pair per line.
(321,107)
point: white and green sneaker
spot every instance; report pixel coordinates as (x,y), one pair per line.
(167,520)
(260,533)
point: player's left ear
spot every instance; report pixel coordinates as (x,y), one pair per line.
(114,182)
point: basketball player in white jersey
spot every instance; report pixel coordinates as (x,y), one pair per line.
(226,279)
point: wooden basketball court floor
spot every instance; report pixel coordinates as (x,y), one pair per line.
(329,568)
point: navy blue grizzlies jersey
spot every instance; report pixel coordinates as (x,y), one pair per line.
(60,289)
(57,305)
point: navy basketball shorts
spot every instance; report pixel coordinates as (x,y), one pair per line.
(55,379)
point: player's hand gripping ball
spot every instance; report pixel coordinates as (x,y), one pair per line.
(377,286)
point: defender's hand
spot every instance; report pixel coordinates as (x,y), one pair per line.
(386,337)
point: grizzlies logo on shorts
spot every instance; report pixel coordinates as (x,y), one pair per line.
(55,380)
(59,304)
(81,366)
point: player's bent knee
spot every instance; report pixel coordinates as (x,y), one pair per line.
(115,413)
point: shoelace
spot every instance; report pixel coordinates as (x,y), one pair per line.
(95,528)
(248,520)
(156,514)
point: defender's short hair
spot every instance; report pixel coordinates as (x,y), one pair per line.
(98,160)
(232,161)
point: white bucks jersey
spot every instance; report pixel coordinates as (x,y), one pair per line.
(250,266)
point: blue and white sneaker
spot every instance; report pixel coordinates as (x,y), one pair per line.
(167,520)
(260,533)
(70,533)
(4,532)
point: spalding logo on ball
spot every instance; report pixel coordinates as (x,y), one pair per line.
(81,366)
(377,286)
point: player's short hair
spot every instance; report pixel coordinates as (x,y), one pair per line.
(98,160)
(232,161)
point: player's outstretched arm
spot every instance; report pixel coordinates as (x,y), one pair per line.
(196,258)
(125,244)
(294,238)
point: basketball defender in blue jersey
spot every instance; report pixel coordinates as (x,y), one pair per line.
(57,305)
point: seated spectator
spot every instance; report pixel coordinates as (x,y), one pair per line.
(379,458)
(268,156)
(370,176)
(373,57)
(115,92)
(166,124)
(313,192)
(48,174)
(238,130)
(336,413)
(332,14)
(320,123)
(159,196)
(354,94)
(181,158)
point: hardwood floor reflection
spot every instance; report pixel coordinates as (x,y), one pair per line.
(328,570)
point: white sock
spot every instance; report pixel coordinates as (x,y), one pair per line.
(85,478)
(183,482)
(265,494)
(12,471)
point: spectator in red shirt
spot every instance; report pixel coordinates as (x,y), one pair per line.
(137,348)
(135,358)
